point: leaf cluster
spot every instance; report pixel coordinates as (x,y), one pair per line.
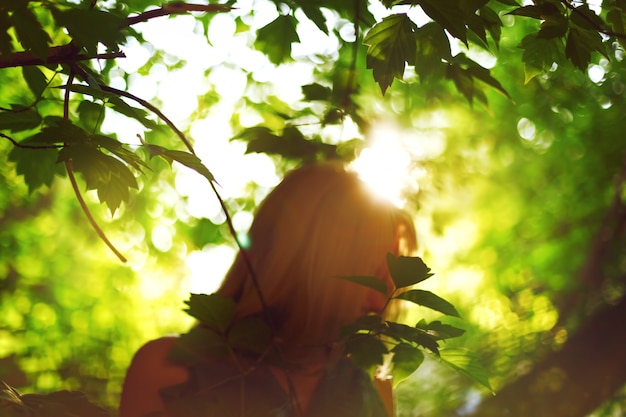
(218,334)
(371,337)
(56,404)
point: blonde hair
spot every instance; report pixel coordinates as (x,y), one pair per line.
(319,223)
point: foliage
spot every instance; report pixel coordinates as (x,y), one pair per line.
(367,341)
(527,186)
(60,403)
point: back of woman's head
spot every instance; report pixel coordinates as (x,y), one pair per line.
(319,223)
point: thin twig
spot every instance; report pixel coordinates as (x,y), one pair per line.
(92,221)
(592,22)
(21,145)
(176,8)
(153,109)
(72,177)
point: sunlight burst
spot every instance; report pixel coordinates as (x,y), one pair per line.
(384,165)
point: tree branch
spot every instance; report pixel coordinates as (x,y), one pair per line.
(177,8)
(21,145)
(56,55)
(592,23)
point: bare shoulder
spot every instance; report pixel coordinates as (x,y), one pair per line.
(148,373)
(385,391)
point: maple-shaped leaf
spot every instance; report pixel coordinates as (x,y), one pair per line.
(392,45)
(275,39)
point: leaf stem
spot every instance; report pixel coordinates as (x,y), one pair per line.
(150,107)
(72,177)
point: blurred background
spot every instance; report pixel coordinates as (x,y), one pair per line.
(518,203)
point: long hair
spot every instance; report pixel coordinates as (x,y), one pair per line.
(319,223)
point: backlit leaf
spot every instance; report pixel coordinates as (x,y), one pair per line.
(275,39)
(402,332)
(199,345)
(30,32)
(448,14)
(90,26)
(406,271)
(251,335)
(35,79)
(467,364)
(37,166)
(432,49)
(429,300)
(366,350)
(212,310)
(440,330)
(313,12)
(190,161)
(539,54)
(16,121)
(368,281)
(391,46)
(581,44)
(406,359)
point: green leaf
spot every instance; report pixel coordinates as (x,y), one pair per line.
(6,43)
(313,12)
(406,271)
(291,144)
(62,132)
(316,91)
(214,311)
(190,161)
(91,26)
(63,403)
(199,345)
(369,323)
(406,359)
(404,333)
(37,166)
(35,79)
(251,335)
(275,39)
(106,174)
(373,283)
(483,74)
(91,115)
(429,300)
(617,19)
(16,121)
(493,23)
(464,83)
(117,148)
(366,350)
(581,44)
(539,54)
(432,48)
(467,364)
(440,330)
(541,11)
(30,32)
(448,14)
(392,45)
(585,18)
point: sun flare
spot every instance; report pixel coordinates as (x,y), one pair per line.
(384,165)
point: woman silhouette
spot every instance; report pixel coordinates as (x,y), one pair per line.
(320,223)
